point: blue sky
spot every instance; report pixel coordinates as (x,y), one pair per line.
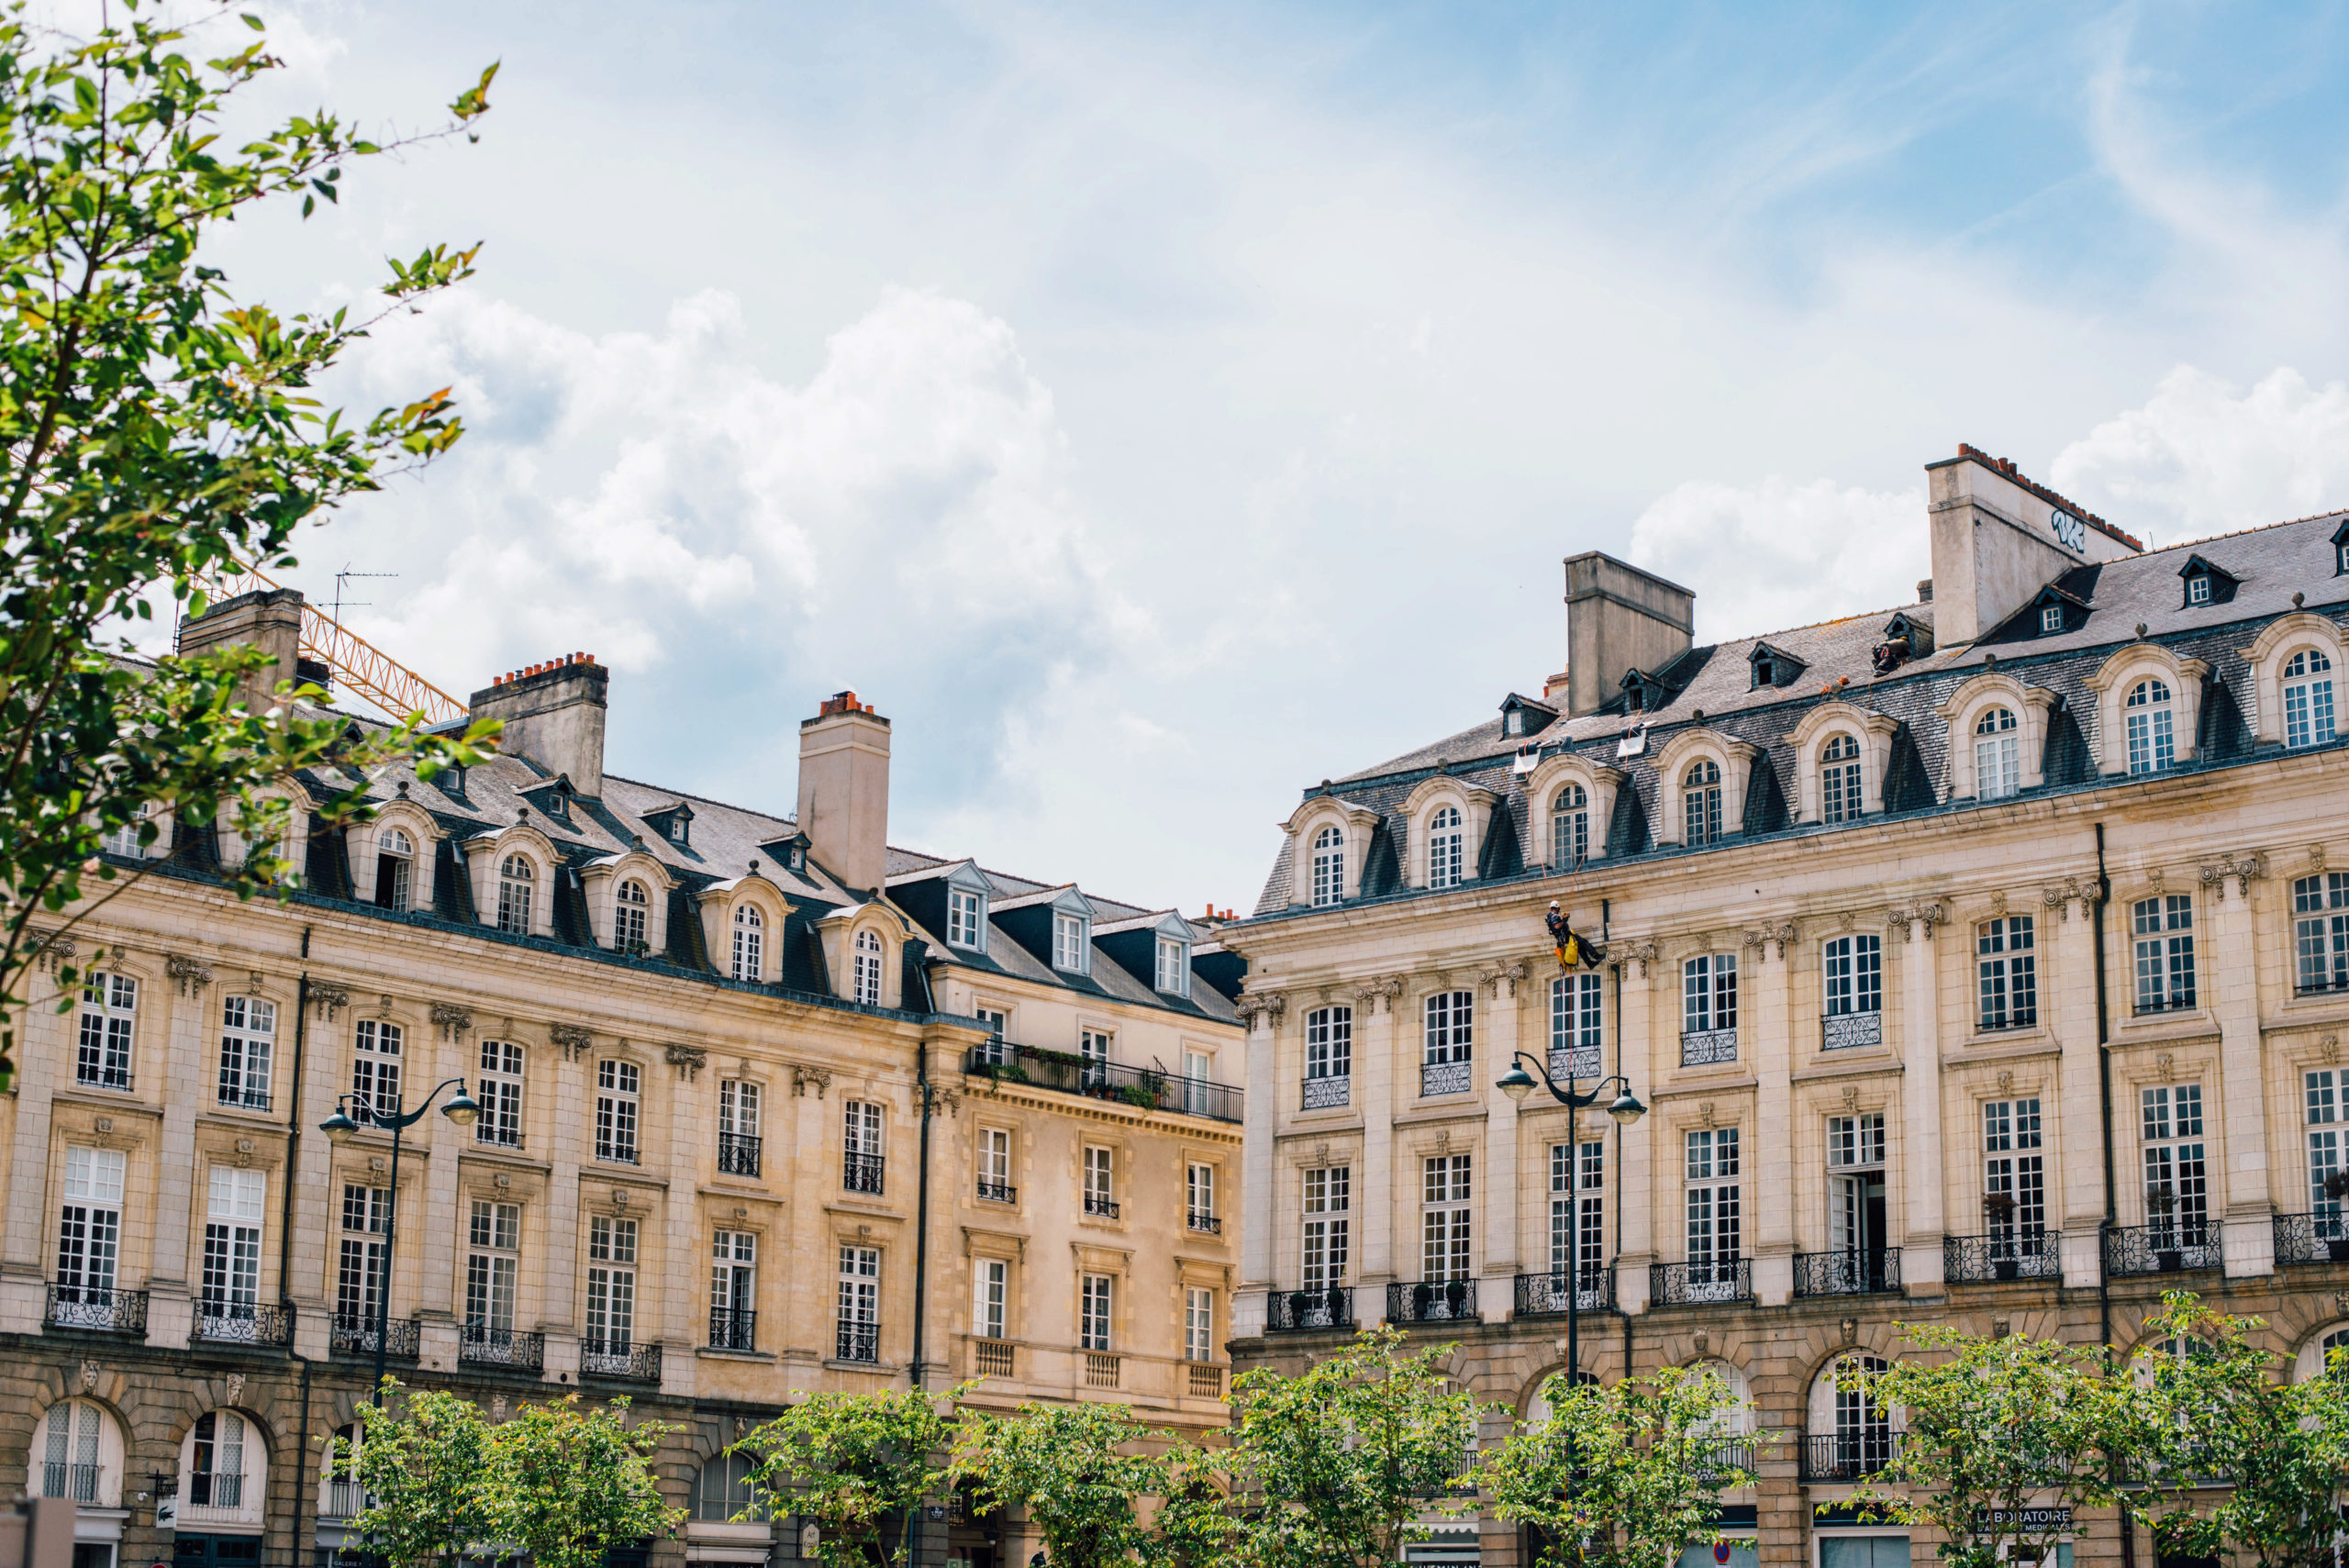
(1156,409)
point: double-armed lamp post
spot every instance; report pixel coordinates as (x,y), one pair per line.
(354,1111)
(1626,1109)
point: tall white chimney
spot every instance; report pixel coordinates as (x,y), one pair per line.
(844,790)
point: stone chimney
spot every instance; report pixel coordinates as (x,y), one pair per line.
(270,619)
(1998,538)
(1618,619)
(554,716)
(844,790)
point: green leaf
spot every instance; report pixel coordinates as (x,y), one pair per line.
(252,21)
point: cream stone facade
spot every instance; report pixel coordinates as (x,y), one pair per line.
(1999,982)
(744,1113)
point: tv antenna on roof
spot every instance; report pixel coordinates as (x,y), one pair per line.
(345,575)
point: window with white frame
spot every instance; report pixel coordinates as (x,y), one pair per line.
(738,1126)
(1839,780)
(516,885)
(359,1262)
(990,1290)
(2320,1099)
(1714,1207)
(1708,993)
(2177,1194)
(966,914)
(216,1462)
(2051,619)
(109,1018)
(1093,1057)
(749,943)
(868,969)
(1578,1212)
(1856,1195)
(2308,698)
(733,1290)
(2321,932)
(73,1455)
(232,1226)
(2163,930)
(1998,755)
(2197,588)
(1445,1217)
(493,1267)
(1198,1324)
(1451,1027)
(1069,943)
(1100,1180)
(2341,558)
(499,1090)
(394,870)
(1700,804)
(2014,1175)
(2006,974)
(1328,867)
(123,839)
(995,1164)
(1447,846)
(376,1045)
(1854,971)
(633,910)
(247,1042)
(618,1091)
(89,1233)
(1577,1025)
(995,1051)
(2153,745)
(859,1326)
(1174,966)
(1328,1233)
(1199,1196)
(611,1285)
(1569,827)
(1328,1044)
(1094,1314)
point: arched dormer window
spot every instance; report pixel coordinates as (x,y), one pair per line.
(633,910)
(1446,847)
(1569,829)
(1700,804)
(749,943)
(2308,698)
(868,969)
(395,869)
(1328,867)
(2151,728)
(517,884)
(1839,779)
(1998,755)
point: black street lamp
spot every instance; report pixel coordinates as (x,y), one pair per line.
(461,1109)
(1626,1109)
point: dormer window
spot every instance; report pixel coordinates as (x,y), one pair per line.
(1070,942)
(1513,722)
(966,915)
(1772,666)
(1634,700)
(677,829)
(2341,558)
(2197,588)
(555,807)
(798,860)
(1174,966)
(2051,619)
(2207,583)
(1765,674)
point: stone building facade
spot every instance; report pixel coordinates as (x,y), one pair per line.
(1982,961)
(768,1107)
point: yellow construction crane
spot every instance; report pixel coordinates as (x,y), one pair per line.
(359,664)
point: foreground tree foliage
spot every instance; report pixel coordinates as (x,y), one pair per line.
(1069,1468)
(1332,1467)
(1621,1476)
(155,428)
(859,1466)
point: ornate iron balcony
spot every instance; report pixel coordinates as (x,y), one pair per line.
(1544,1295)
(1432,1301)
(1850,1032)
(861,1173)
(998,1192)
(1706,1048)
(478,1344)
(1447,1078)
(79,1482)
(1575,1062)
(1329,1093)
(1720,1456)
(243,1323)
(353,1333)
(858,1342)
(1294,1311)
(2163,1247)
(1862,1270)
(2002,1255)
(1206,1224)
(620,1359)
(738,1154)
(733,1328)
(1144,1088)
(97,1309)
(1701,1283)
(1849,1454)
(1095,1204)
(2319,1238)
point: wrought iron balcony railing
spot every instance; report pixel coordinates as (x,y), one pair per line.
(1707,1048)
(1329,1093)
(2163,1248)
(238,1098)
(342,1498)
(1575,1062)
(1291,1311)
(478,1344)
(2171,1002)
(353,1333)
(2317,1238)
(858,1341)
(733,1328)
(1432,1301)
(1860,1270)
(1544,1295)
(861,1173)
(1100,1206)
(998,1192)
(1701,1283)
(1720,1456)
(243,1323)
(1850,1032)
(61,1479)
(1447,1078)
(738,1154)
(1850,1453)
(2002,1255)
(1205,1224)
(1144,1088)
(97,1309)
(620,1360)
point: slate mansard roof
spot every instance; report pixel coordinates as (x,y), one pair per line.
(2109,605)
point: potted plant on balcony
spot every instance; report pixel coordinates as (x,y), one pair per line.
(2160,1198)
(1298,1301)
(2336,1244)
(1455,1295)
(1999,1210)
(1422,1298)
(1338,1304)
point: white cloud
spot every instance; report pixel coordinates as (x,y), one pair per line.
(1779,554)
(2202,456)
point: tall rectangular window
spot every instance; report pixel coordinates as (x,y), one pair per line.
(2322,1109)
(1839,780)
(611,1283)
(964,912)
(1093,1053)
(492,1265)
(1854,976)
(2164,930)
(1856,1216)
(2321,931)
(733,1290)
(738,1109)
(499,1090)
(375,1048)
(1451,1026)
(859,1326)
(1328,1044)
(1328,1204)
(1714,1207)
(616,1104)
(1444,1219)
(1328,867)
(358,1267)
(110,1013)
(1094,1314)
(1198,1324)
(233,1242)
(995,1164)
(1173,967)
(248,1041)
(1068,942)
(1199,1195)
(1578,1212)
(2177,1194)
(989,1291)
(2014,1176)
(1578,1019)
(1708,993)
(89,1229)
(996,1051)
(862,1166)
(2006,971)
(1100,1189)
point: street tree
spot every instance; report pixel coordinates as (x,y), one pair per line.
(857,1466)
(424,1470)
(571,1482)
(1071,1469)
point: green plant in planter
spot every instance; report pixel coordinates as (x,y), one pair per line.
(1422,1298)
(1140,1096)
(1298,1301)
(1455,1295)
